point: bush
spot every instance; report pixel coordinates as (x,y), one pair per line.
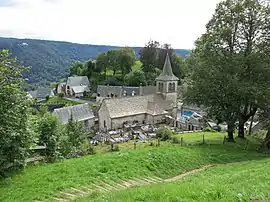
(164,133)
(175,140)
(115,148)
(208,129)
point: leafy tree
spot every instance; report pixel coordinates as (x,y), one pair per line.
(126,59)
(135,78)
(113,60)
(76,69)
(164,133)
(102,62)
(50,131)
(15,139)
(232,70)
(75,132)
(149,56)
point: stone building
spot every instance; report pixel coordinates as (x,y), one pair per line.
(80,113)
(144,109)
(76,86)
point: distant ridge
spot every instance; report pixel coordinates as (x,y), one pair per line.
(50,59)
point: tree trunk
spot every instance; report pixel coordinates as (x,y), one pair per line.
(241,128)
(230,132)
(266,141)
(250,126)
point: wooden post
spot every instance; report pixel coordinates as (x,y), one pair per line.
(134,145)
(158,142)
(203,139)
(181,141)
(224,139)
(246,145)
(111,146)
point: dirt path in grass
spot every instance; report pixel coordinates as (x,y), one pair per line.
(74,193)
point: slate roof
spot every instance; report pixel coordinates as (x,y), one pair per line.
(80,89)
(44,92)
(78,81)
(104,90)
(148,90)
(129,89)
(167,74)
(79,113)
(41,93)
(128,106)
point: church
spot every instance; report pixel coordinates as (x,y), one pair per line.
(148,109)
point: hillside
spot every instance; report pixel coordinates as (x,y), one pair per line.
(116,171)
(49,59)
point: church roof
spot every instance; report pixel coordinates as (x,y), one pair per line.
(129,106)
(79,113)
(167,74)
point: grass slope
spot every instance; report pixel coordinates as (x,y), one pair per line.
(248,181)
(41,182)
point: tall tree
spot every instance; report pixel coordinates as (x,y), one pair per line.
(102,62)
(149,56)
(126,59)
(113,60)
(14,136)
(253,44)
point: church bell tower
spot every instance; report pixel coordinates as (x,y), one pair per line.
(166,84)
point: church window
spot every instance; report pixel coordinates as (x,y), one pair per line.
(170,87)
(104,124)
(174,87)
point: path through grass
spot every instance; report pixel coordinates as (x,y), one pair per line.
(248,181)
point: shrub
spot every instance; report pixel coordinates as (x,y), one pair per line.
(208,129)
(61,95)
(164,133)
(175,140)
(115,148)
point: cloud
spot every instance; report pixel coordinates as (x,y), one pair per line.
(118,22)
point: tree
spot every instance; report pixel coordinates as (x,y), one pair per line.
(164,133)
(113,60)
(253,45)
(126,59)
(102,62)
(76,69)
(149,56)
(135,78)
(234,50)
(49,130)
(14,136)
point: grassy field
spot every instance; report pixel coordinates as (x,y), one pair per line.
(43,181)
(240,182)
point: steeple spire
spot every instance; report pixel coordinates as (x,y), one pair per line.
(167,74)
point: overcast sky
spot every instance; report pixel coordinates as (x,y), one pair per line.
(107,22)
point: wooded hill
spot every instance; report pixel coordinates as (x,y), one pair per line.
(50,59)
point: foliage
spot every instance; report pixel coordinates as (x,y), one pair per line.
(135,78)
(230,78)
(164,161)
(164,133)
(175,140)
(49,129)
(153,56)
(54,57)
(15,138)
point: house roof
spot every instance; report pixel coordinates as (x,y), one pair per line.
(79,113)
(78,81)
(44,92)
(167,74)
(128,106)
(80,89)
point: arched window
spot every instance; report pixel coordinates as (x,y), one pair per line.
(173,87)
(170,87)
(104,124)
(159,86)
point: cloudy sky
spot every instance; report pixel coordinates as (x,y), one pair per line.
(107,22)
